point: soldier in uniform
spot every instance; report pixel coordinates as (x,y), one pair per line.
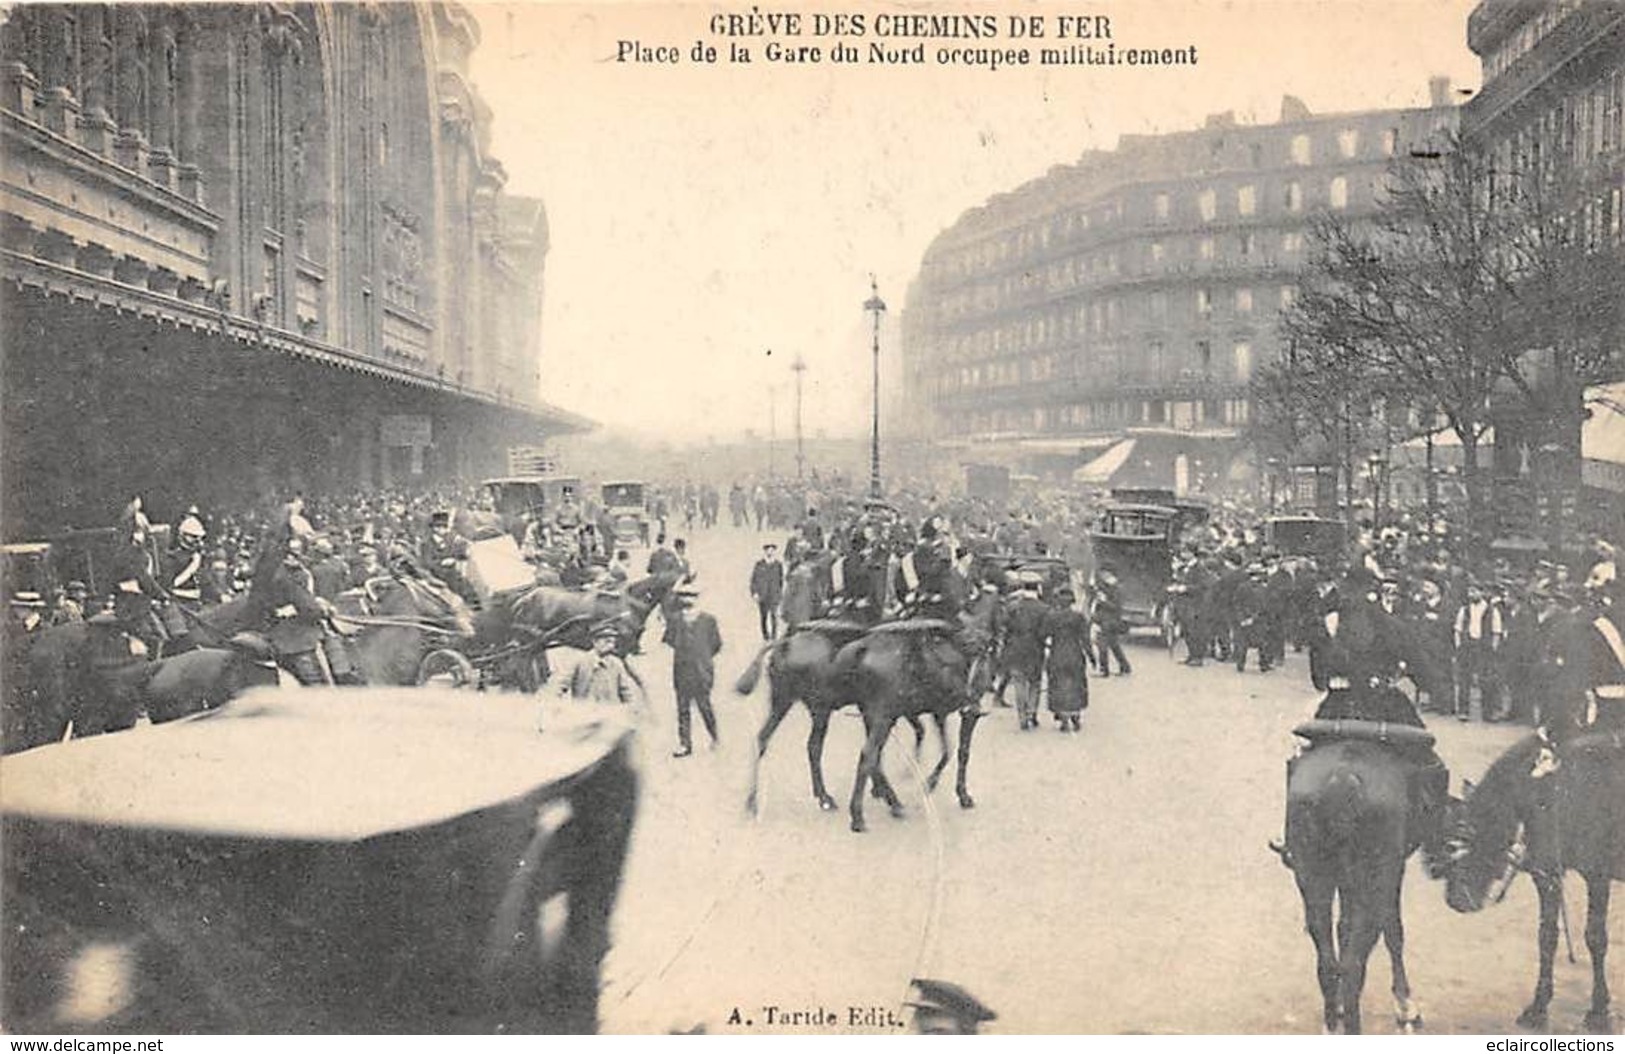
(1362,651)
(1589,662)
(136,592)
(184,573)
(856,581)
(925,572)
(297,618)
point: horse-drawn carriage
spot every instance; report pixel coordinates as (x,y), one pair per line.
(1134,542)
(626,509)
(330,860)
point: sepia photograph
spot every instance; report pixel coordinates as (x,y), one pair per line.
(836,518)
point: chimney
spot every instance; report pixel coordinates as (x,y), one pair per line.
(1293,109)
(1438,91)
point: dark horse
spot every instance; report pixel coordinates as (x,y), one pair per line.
(801,666)
(570,615)
(909,669)
(1351,814)
(1347,821)
(1527,814)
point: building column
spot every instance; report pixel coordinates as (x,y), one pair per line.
(130,52)
(188,102)
(96,126)
(162,59)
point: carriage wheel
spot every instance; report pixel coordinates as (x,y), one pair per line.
(447,665)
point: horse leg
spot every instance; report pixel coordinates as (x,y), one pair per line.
(1597,894)
(878,729)
(1353,956)
(1317,919)
(779,705)
(942,762)
(967,729)
(919,732)
(815,757)
(1550,889)
(1407,1014)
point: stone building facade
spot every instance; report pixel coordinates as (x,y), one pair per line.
(1139,287)
(256,245)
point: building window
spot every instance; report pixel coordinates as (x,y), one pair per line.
(1204,302)
(1247,200)
(1294,197)
(1205,249)
(1160,204)
(1204,355)
(1390,142)
(1340,193)
(1291,242)
(1289,296)
(1256,153)
(1244,300)
(1157,252)
(1243,361)
(1207,203)
(1348,142)
(1301,152)
(1245,242)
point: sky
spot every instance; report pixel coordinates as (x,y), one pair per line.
(709,222)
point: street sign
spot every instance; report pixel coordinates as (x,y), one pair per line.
(530,461)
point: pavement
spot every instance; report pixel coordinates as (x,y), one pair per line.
(1116,881)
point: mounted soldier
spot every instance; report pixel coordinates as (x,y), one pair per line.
(184,571)
(1361,652)
(1588,656)
(297,618)
(136,592)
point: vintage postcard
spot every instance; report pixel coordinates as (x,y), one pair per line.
(812,517)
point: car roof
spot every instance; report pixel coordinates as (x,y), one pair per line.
(1130,506)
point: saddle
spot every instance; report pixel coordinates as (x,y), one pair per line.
(916,625)
(1383,732)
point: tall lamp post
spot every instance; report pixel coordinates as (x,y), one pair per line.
(772,426)
(876,307)
(1376,463)
(1274,468)
(800,367)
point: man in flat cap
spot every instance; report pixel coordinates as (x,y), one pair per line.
(600,675)
(942,1008)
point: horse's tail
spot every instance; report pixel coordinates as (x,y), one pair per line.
(753,673)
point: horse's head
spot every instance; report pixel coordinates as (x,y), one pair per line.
(431,601)
(1481,846)
(646,594)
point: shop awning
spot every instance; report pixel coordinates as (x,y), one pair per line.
(1101,470)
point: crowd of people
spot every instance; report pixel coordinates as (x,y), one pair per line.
(1025,570)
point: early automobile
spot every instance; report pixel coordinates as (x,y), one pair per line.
(626,509)
(328,860)
(522,499)
(1135,543)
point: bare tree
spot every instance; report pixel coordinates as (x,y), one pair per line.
(1440,295)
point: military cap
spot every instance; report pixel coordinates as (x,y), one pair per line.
(949,999)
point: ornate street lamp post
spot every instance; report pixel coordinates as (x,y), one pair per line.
(876,307)
(800,367)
